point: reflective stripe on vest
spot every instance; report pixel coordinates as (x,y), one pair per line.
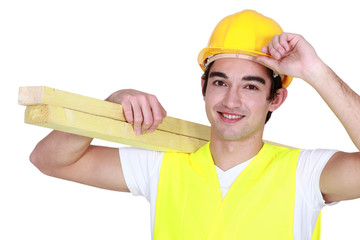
(259,204)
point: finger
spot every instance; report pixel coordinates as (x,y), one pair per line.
(277,50)
(272,51)
(284,41)
(268,62)
(158,113)
(128,111)
(147,113)
(137,116)
(265,50)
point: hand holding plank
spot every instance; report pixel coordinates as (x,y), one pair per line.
(142,110)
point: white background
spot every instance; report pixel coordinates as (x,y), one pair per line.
(96,47)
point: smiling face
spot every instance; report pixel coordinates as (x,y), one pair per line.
(236,99)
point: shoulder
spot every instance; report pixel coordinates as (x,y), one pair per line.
(176,160)
(140,160)
(279,153)
(311,163)
(140,168)
(201,153)
(310,166)
(137,156)
(314,158)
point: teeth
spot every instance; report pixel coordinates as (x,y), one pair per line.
(229,116)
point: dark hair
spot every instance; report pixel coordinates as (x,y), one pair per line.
(275,85)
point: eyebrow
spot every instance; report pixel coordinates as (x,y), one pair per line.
(218,74)
(246,78)
(254,78)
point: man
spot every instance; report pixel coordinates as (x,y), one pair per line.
(235,187)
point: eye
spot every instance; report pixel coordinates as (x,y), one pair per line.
(219,83)
(251,87)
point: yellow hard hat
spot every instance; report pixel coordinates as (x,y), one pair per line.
(241,35)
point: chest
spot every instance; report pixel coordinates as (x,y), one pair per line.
(262,195)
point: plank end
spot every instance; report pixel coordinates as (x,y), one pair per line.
(30,95)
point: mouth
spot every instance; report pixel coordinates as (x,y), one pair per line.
(228,116)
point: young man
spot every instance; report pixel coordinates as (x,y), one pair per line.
(235,187)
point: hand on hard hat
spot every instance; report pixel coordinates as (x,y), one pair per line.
(291,55)
(142,110)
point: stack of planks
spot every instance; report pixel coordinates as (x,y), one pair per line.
(74,113)
(81,115)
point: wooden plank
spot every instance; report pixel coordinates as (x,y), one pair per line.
(85,124)
(34,95)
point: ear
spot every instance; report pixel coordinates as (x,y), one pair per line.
(202,85)
(279,99)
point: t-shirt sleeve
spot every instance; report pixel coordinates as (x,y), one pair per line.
(141,169)
(310,166)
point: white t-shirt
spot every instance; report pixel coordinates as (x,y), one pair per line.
(141,170)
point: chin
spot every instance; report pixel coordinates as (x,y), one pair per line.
(232,136)
(236,135)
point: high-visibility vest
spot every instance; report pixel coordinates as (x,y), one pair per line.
(259,204)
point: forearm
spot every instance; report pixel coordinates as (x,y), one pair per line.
(58,150)
(341,99)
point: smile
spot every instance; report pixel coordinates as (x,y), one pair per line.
(231,116)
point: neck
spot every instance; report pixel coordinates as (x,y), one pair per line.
(229,153)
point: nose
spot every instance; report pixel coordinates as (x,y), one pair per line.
(232,98)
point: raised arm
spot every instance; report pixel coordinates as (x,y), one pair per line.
(293,55)
(71,157)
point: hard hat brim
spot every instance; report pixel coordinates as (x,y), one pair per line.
(209,52)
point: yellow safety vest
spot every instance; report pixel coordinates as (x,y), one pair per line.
(259,204)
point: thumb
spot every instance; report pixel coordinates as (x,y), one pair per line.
(268,62)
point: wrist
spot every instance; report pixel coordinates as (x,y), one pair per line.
(317,74)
